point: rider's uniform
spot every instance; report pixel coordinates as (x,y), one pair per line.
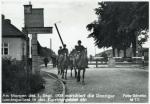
(59,51)
(65,54)
(80,48)
(65,51)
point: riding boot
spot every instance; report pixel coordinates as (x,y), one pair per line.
(58,72)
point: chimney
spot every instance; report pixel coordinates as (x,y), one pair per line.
(3,17)
(8,21)
(30,3)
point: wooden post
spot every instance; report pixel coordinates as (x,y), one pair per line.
(96,63)
(50,43)
(34,24)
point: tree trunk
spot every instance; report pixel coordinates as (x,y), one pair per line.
(118,52)
(125,55)
(134,45)
(113,52)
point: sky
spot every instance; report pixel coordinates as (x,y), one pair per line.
(71,17)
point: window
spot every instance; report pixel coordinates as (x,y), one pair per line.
(5,48)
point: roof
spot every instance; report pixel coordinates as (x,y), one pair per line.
(9,30)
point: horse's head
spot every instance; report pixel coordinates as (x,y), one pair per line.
(81,58)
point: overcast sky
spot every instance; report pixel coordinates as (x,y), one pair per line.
(71,16)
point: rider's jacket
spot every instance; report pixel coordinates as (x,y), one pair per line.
(65,51)
(59,51)
(80,48)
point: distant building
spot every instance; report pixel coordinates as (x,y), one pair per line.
(129,53)
(14,42)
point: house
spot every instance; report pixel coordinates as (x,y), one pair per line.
(14,42)
(142,53)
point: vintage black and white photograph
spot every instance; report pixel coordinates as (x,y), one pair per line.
(74,51)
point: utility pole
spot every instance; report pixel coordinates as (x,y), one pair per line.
(50,43)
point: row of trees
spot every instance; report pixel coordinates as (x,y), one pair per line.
(119,24)
(45,52)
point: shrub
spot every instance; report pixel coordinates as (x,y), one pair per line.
(36,83)
(16,80)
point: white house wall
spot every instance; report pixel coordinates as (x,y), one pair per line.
(15,47)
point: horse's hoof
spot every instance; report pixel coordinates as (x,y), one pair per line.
(83,82)
(64,82)
(78,80)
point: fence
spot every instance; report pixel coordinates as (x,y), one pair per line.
(119,61)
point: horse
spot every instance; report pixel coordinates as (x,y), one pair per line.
(63,65)
(59,60)
(81,63)
(72,64)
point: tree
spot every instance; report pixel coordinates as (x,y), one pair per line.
(118,24)
(45,52)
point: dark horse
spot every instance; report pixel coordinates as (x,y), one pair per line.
(81,63)
(63,62)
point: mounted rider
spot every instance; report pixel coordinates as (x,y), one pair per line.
(59,53)
(64,61)
(65,53)
(65,50)
(81,60)
(79,47)
(60,50)
(58,60)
